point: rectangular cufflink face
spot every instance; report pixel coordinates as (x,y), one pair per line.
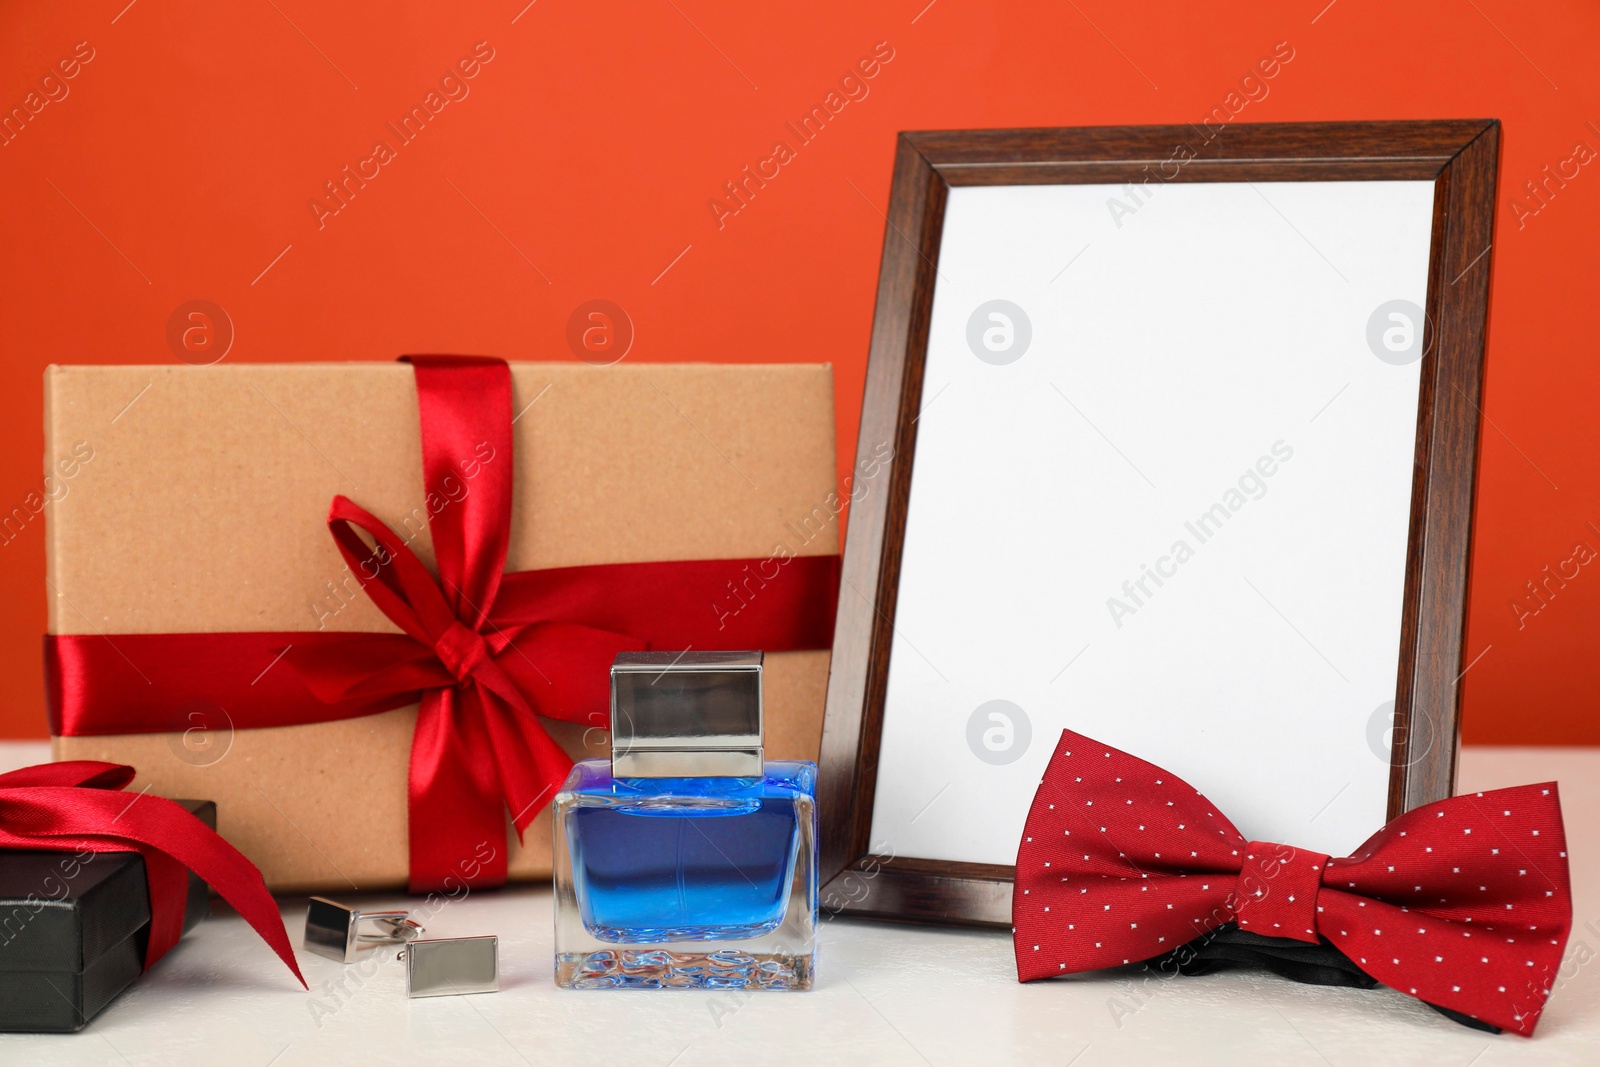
(449,966)
(330,930)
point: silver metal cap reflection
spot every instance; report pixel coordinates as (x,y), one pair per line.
(686,715)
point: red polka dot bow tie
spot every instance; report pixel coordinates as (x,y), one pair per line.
(1464,904)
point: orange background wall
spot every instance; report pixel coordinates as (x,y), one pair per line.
(181,162)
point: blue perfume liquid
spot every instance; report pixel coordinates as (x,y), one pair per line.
(721,869)
(714,872)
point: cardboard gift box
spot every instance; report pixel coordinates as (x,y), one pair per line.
(196,500)
(73,928)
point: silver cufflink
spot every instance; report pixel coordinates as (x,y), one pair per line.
(450,966)
(333,930)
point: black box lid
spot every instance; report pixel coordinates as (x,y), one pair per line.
(63,911)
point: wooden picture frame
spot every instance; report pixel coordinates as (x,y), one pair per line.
(1459,158)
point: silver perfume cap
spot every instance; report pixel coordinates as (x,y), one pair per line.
(686,715)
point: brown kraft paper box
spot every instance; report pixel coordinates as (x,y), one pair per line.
(197,502)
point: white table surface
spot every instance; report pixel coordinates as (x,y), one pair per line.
(885,995)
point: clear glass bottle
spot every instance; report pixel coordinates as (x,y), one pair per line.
(686,860)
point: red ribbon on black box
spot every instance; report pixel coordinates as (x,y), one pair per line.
(79,806)
(482,651)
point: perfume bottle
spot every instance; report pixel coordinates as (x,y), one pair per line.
(686,860)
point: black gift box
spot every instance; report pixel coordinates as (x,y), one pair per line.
(73,930)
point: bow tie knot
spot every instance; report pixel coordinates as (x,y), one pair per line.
(1278,888)
(461,650)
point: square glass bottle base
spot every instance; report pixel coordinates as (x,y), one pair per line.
(657,967)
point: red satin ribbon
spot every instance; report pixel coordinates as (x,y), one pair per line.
(483,652)
(78,806)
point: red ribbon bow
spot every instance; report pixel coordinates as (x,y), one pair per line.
(1464,904)
(78,806)
(482,651)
